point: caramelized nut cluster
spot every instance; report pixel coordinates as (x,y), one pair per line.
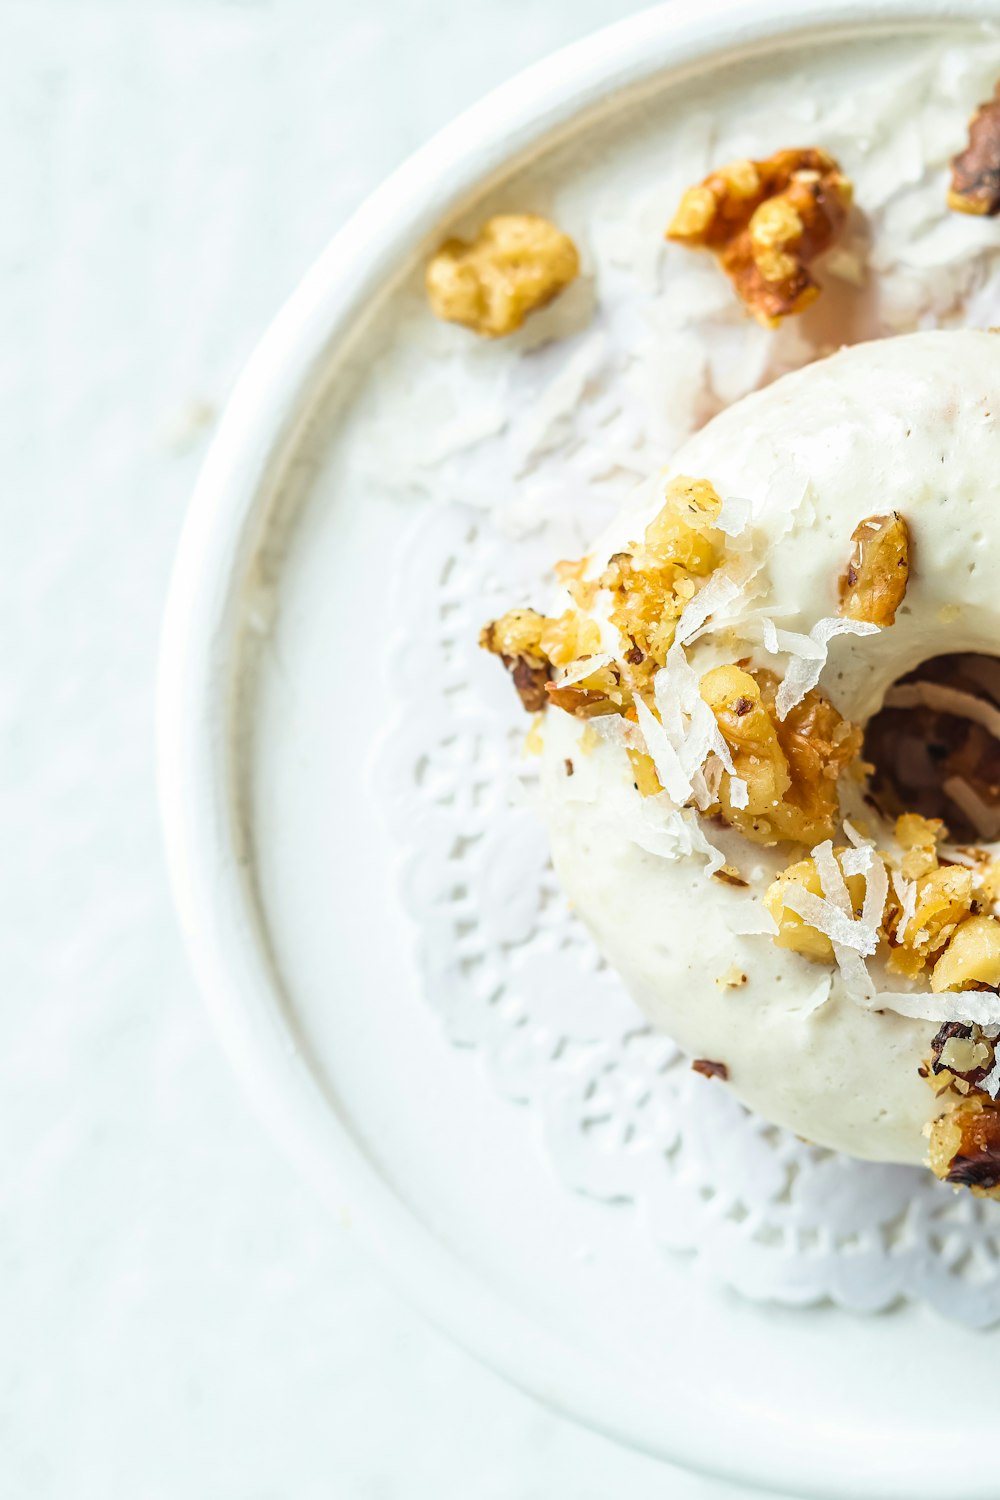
(516,264)
(975,172)
(873,586)
(766,221)
(790,766)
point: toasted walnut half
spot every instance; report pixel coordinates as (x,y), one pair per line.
(790,766)
(965,1145)
(975,172)
(873,586)
(516,264)
(766,221)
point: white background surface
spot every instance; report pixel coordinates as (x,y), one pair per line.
(178,1316)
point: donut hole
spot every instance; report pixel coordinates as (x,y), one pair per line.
(935,745)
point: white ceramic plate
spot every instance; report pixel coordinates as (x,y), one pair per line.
(283,872)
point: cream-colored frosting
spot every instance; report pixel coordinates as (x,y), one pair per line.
(909,424)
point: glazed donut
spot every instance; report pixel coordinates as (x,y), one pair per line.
(811,583)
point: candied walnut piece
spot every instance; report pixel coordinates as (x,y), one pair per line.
(766,221)
(516,264)
(790,767)
(975,172)
(965,1145)
(709,1069)
(651,584)
(874,583)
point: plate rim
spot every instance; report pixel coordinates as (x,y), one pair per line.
(207,854)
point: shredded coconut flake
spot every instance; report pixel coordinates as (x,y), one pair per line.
(700,844)
(831,877)
(876,891)
(713,771)
(991,1083)
(946,700)
(906,894)
(578,670)
(734,517)
(711,599)
(856,861)
(703,798)
(739,792)
(984,818)
(854,972)
(673,779)
(842,930)
(970,1007)
(769,632)
(617,731)
(804,672)
(817,997)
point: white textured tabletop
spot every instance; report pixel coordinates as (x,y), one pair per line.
(179,1316)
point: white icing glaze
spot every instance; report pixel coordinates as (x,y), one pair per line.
(909,424)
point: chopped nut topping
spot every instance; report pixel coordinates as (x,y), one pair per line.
(729,876)
(874,584)
(943,900)
(531,645)
(766,220)
(936,924)
(794,931)
(516,264)
(602,692)
(516,638)
(651,584)
(918,838)
(971,957)
(975,172)
(965,1145)
(961,1056)
(647,783)
(581,590)
(709,1069)
(790,767)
